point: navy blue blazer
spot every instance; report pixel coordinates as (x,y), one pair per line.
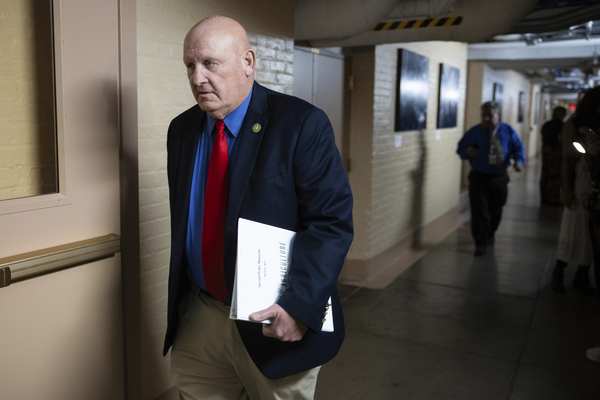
(288,174)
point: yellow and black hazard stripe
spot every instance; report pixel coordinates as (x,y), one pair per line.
(418,23)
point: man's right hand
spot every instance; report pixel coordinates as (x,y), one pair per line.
(283,326)
(472,151)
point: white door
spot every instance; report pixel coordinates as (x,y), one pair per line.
(319,79)
(61,334)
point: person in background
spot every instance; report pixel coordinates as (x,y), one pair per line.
(489,146)
(574,243)
(552,157)
(588,118)
(587,115)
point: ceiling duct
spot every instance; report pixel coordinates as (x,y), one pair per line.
(329,23)
(334,19)
(558,19)
(411,9)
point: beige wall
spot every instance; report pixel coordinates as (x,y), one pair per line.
(398,190)
(27,155)
(163,93)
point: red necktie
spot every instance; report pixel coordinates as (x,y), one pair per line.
(213,223)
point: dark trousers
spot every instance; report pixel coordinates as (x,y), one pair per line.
(487,195)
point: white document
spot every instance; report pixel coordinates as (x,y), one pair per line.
(263,256)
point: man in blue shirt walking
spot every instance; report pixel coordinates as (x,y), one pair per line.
(489,147)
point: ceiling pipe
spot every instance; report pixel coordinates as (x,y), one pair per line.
(481,20)
(559,21)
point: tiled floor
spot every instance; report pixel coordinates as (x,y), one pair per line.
(454,326)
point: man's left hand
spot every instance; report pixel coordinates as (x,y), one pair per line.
(283,326)
(517,167)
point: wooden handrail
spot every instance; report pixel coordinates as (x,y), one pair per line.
(41,262)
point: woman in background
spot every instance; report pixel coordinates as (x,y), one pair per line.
(588,114)
(574,243)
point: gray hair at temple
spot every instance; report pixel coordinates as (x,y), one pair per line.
(492,106)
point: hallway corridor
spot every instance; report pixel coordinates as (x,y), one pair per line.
(455,326)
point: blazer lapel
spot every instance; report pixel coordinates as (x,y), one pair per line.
(248,149)
(185,171)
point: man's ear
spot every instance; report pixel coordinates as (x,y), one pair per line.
(249,61)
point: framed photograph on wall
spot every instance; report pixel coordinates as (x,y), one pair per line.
(412,89)
(521,106)
(448,96)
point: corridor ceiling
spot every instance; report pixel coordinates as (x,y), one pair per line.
(554,42)
(557,45)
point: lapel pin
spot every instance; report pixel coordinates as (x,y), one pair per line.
(256,128)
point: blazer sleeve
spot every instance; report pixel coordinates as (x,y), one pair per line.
(326,232)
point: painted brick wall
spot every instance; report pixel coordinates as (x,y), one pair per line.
(418,182)
(163,93)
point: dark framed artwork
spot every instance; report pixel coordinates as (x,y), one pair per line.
(448,96)
(412,89)
(521,106)
(498,96)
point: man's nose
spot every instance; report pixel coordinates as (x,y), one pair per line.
(197,77)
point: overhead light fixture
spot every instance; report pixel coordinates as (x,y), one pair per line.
(579,147)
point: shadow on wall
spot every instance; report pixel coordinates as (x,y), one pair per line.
(418,180)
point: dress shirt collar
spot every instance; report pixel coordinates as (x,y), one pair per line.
(234,120)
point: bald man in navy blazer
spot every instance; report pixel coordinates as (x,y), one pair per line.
(285,171)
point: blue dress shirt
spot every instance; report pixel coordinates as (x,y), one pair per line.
(511,147)
(193,243)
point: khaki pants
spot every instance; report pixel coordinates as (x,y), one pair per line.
(209,360)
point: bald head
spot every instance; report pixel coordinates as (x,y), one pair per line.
(225,26)
(220,64)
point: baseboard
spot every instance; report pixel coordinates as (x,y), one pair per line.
(381,270)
